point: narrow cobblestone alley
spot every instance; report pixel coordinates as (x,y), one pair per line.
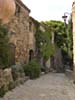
(51,86)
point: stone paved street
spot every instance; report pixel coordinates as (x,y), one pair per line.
(51,86)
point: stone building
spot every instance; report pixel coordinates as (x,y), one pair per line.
(21,33)
(73,22)
(32,41)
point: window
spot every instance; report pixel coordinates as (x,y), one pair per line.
(17,10)
(30,26)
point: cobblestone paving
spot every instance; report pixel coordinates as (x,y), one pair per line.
(51,86)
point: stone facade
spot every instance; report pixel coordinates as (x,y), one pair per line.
(73,21)
(5,78)
(21,33)
(32,31)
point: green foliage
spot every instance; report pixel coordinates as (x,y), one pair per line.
(48,50)
(11,85)
(4,47)
(32,69)
(2,91)
(55,26)
(41,37)
(70,37)
(58,29)
(62,35)
(43,43)
(17,71)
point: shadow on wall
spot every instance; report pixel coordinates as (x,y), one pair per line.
(12,53)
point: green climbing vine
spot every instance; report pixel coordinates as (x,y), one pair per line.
(43,43)
(4,47)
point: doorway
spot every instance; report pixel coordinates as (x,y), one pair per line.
(31,55)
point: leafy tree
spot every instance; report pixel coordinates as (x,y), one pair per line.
(43,43)
(62,36)
(58,29)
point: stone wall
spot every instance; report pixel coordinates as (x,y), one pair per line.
(32,31)
(73,21)
(20,35)
(5,78)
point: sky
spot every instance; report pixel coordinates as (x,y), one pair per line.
(44,10)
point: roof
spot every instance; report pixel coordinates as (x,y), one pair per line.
(35,21)
(22,4)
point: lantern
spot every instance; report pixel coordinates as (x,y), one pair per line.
(7,10)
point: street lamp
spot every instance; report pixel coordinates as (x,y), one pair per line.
(64,17)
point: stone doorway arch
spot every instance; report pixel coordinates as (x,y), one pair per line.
(31,54)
